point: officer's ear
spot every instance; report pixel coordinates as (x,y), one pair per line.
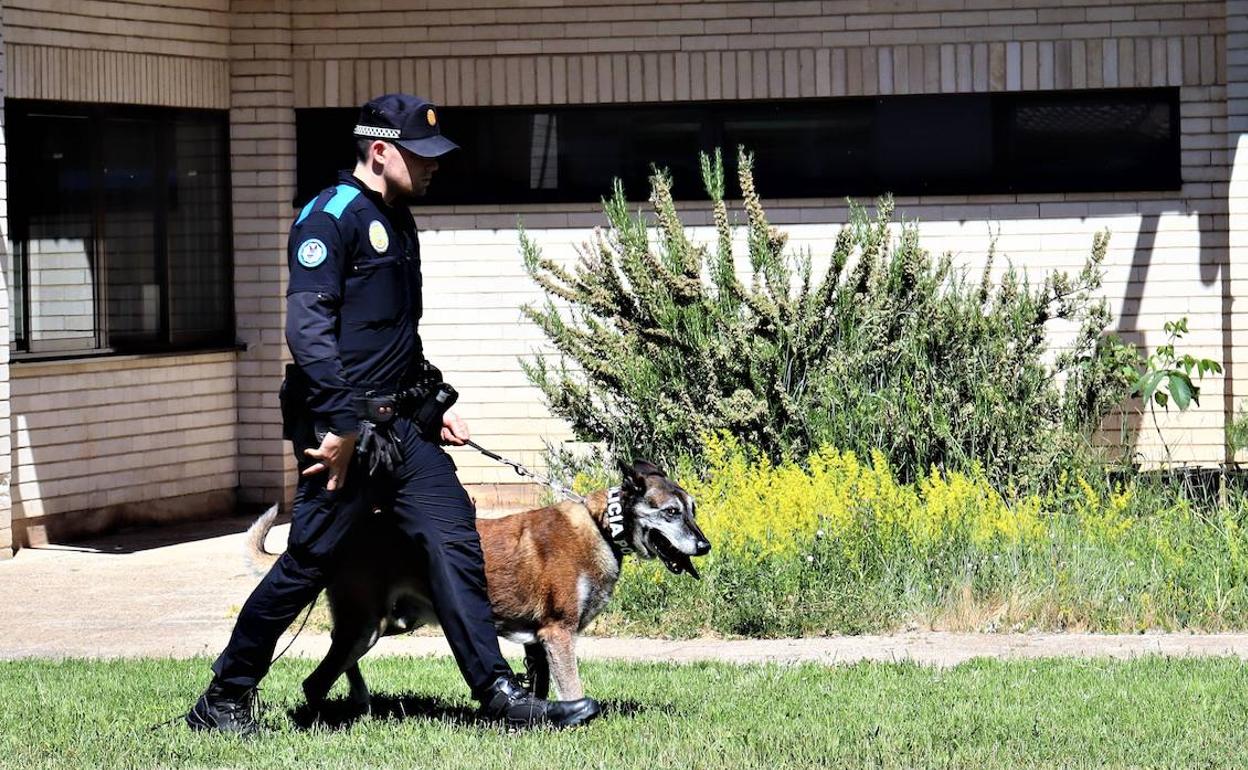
(378,149)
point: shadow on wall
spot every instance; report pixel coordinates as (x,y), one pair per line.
(1213,271)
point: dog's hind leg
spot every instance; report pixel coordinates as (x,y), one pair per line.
(538,668)
(343,655)
(359,695)
(561,655)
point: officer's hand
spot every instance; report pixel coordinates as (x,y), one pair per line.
(454,430)
(334,455)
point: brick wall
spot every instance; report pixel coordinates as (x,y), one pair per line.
(260,58)
(510,52)
(1169,252)
(262,150)
(164,53)
(6,510)
(1237,195)
(103,443)
(107,442)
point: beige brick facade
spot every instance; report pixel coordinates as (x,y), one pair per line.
(262,149)
(6,443)
(1169,251)
(107,442)
(1172,254)
(173,54)
(86,456)
(1235,313)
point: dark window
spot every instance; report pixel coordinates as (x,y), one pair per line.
(927,144)
(963,144)
(1091,142)
(120,228)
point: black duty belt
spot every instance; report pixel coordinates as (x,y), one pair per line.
(424,405)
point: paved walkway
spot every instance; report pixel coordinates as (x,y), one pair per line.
(175,591)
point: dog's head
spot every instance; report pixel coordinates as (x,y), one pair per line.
(659,518)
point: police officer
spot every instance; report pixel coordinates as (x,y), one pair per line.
(353,307)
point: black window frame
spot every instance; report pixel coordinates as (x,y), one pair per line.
(18,115)
(323,137)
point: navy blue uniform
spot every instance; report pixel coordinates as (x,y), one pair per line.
(353,310)
(353,302)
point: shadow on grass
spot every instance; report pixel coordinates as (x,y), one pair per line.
(340,713)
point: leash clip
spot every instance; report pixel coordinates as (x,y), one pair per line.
(523,471)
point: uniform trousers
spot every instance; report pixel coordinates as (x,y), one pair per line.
(430,506)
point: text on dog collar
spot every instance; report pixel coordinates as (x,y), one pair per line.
(615,520)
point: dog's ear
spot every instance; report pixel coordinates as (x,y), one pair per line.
(632,481)
(628,480)
(635,474)
(643,468)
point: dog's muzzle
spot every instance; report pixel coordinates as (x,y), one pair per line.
(676,560)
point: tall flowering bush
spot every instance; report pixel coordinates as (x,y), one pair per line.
(660,339)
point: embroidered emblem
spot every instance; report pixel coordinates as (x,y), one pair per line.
(377,236)
(312,252)
(431,117)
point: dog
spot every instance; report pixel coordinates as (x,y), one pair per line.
(549,572)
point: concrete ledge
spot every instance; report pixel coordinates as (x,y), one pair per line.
(73,525)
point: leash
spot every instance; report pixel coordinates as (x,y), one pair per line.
(298,631)
(256,688)
(523,471)
(615,506)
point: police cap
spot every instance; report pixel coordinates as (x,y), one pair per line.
(408,121)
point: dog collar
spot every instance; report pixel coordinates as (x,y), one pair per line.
(615,520)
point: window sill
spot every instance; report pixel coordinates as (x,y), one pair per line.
(19,359)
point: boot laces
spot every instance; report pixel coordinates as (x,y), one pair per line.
(247,703)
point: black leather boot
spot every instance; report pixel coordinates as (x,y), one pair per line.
(225,709)
(508,701)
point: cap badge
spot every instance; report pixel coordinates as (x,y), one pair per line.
(431,117)
(312,252)
(378,237)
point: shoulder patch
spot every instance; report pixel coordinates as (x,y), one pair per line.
(312,252)
(377,236)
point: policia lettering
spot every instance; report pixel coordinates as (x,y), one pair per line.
(353,309)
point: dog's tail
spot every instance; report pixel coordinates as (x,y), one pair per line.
(258,559)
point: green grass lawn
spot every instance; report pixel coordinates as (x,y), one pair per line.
(1144,713)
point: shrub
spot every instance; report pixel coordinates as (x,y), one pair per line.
(660,342)
(1167,376)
